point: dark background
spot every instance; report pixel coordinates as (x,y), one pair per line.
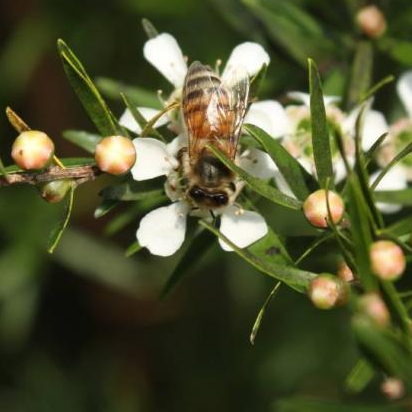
(84,329)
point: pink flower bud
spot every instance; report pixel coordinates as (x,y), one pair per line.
(387,260)
(345,272)
(316,211)
(115,155)
(375,309)
(55,192)
(327,291)
(32,150)
(371,21)
(393,388)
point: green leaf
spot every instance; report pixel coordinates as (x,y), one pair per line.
(295,278)
(140,120)
(294,174)
(133,249)
(131,190)
(105,207)
(399,50)
(138,96)
(401,227)
(359,377)
(361,76)
(257,81)
(261,314)
(149,28)
(258,185)
(3,171)
(59,229)
(320,134)
(374,89)
(198,247)
(88,94)
(369,155)
(399,157)
(85,140)
(290,26)
(396,197)
(361,232)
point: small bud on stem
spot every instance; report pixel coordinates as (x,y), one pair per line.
(32,150)
(315,208)
(115,155)
(327,291)
(55,192)
(393,388)
(371,21)
(372,305)
(387,260)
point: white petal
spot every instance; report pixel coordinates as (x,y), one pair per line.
(241,227)
(375,125)
(152,159)
(164,53)
(258,163)
(163,230)
(305,98)
(404,87)
(128,121)
(395,179)
(176,144)
(270,116)
(251,56)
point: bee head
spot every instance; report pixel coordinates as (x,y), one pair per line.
(208,199)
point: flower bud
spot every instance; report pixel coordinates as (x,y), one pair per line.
(32,150)
(387,260)
(371,21)
(375,309)
(54,192)
(393,388)
(316,210)
(327,291)
(115,155)
(345,272)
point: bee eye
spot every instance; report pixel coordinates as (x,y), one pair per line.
(221,199)
(196,193)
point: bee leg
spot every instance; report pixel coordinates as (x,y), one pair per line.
(239,210)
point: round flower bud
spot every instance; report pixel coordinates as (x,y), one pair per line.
(32,150)
(115,155)
(54,192)
(327,291)
(387,260)
(316,210)
(375,309)
(345,272)
(371,21)
(393,388)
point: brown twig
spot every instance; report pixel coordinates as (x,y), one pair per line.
(80,174)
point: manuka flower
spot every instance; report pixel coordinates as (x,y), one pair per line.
(163,230)
(165,54)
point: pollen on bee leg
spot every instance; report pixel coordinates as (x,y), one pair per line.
(240,211)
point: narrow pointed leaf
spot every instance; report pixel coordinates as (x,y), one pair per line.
(359,377)
(105,207)
(138,96)
(132,249)
(396,197)
(320,135)
(149,28)
(59,229)
(88,94)
(295,278)
(132,191)
(257,81)
(374,148)
(258,185)
(85,140)
(295,175)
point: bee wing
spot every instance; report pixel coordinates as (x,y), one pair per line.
(237,85)
(213,111)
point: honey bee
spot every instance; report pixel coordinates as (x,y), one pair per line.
(213,111)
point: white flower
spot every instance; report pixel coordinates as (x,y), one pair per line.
(162,231)
(164,53)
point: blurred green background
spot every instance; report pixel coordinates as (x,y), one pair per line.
(84,329)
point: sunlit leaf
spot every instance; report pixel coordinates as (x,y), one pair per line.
(105,207)
(359,377)
(294,174)
(258,185)
(320,134)
(133,249)
(295,278)
(85,140)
